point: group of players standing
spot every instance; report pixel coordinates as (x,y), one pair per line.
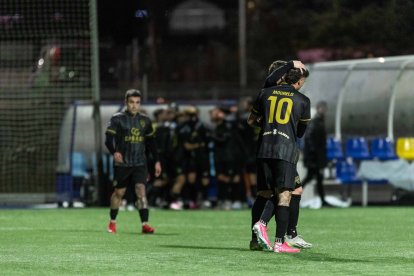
(190,153)
(280,113)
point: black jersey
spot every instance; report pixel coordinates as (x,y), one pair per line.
(249,135)
(182,131)
(130,133)
(163,138)
(282,108)
(198,136)
(228,145)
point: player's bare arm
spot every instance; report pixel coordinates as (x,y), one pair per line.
(158,168)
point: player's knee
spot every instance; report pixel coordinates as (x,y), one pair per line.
(140,189)
(180,180)
(119,193)
(223,178)
(191,178)
(284,197)
(205,181)
(236,178)
(266,194)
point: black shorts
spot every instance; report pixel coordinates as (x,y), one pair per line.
(275,173)
(227,168)
(180,166)
(250,167)
(199,165)
(262,172)
(129,176)
(167,171)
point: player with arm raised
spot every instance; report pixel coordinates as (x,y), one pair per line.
(277,71)
(284,113)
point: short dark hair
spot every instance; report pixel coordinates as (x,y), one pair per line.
(132,93)
(294,75)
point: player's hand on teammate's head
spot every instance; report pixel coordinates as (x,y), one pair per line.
(298,64)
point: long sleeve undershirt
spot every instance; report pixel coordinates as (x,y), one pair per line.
(109,143)
(277,74)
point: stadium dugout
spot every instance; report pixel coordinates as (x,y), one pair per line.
(369,100)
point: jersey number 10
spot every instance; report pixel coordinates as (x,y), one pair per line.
(277,105)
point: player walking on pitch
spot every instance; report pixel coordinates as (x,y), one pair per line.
(128,136)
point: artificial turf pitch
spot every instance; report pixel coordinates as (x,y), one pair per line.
(353,241)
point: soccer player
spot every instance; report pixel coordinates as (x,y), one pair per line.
(180,160)
(157,193)
(194,173)
(198,163)
(277,71)
(292,236)
(314,153)
(228,154)
(283,113)
(249,136)
(128,136)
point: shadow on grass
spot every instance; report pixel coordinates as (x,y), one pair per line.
(105,232)
(308,255)
(155,234)
(204,247)
(72,230)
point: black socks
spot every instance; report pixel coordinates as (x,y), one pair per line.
(269,210)
(113,213)
(293,215)
(144,214)
(282,219)
(257,209)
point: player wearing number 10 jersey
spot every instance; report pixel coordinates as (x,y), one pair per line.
(283,113)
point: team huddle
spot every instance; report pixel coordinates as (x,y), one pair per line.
(280,111)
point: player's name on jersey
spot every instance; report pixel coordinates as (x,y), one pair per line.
(282,93)
(276,132)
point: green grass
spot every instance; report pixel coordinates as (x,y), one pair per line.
(354,241)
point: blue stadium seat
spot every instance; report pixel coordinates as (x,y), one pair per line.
(111,167)
(68,184)
(383,149)
(346,172)
(334,149)
(78,164)
(105,159)
(357,148)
